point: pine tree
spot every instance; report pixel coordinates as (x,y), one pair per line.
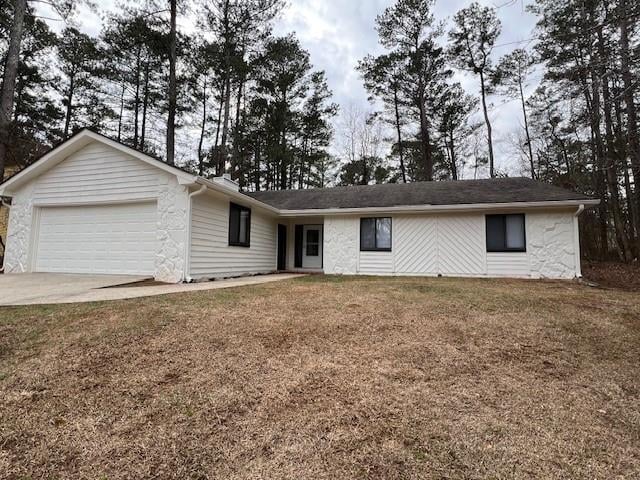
(510,79)
(472,38)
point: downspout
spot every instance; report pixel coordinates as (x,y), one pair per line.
(187,244)
(4,254)
(576,240)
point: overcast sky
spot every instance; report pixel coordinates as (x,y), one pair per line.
(338,33)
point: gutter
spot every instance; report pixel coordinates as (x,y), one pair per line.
(187,244)
(438,208)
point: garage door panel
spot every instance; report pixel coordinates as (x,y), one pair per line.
(110,239)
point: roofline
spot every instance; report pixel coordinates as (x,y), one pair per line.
(188,179)
(84,137)
(236,195)
(439,208)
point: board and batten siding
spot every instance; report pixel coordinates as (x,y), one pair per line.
(211,255)
(97,174)
(455,245)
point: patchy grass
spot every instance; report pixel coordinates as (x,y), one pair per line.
(327,377)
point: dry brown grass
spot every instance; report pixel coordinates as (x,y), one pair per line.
(327,377)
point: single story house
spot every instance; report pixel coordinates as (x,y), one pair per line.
(93,205)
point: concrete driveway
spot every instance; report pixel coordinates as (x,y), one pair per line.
(27,288)
(50,288)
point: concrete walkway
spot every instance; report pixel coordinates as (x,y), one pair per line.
(44,289)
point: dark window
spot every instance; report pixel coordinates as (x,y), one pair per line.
(239,225)
(375,234)
(313,243)
(506,233)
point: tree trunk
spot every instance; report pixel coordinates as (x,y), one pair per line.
(526,128)
(425,141)
(121,112)
(598,168)
(145,106)
(399,132)
(222,153)
(203,127)
(629,99)
(611,164)
(219,119)
(9,80)
(454,167)
(235,159)
(136,100)
(171,117)
(488,123)
(68,114)
(634,220)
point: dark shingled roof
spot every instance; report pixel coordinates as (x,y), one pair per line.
(497,190)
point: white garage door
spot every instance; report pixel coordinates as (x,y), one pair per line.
(111,239)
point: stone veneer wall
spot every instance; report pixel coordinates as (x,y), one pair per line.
(4,212)
(550,245)
(16,258)
(341,249)
(173,199)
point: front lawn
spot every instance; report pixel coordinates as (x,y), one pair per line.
(327,377)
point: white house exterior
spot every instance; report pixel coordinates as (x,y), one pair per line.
(93,205)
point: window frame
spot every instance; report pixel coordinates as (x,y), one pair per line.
(239,209)
(504,233)
(315,244)
(376,248)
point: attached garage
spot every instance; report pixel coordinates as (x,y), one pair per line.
(110,239)
(95,206)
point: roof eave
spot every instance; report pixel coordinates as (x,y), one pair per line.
(236,195)
(440,208)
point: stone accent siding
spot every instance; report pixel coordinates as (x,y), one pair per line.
(341,248)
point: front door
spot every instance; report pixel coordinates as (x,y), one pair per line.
(312,246)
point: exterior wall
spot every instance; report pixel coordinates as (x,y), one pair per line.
(341,245)
(16,258)
(98,174)
(173,200)
(211,255)
(551,245)
(4,212)
(454,245)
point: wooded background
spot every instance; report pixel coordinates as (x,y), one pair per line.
(262,113)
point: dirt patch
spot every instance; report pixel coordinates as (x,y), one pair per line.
(324,378)
(623,276)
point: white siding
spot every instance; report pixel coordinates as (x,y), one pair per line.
(376,263)
(461,245)
(211,255)
(415,245)
(97,173)
(508,264)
